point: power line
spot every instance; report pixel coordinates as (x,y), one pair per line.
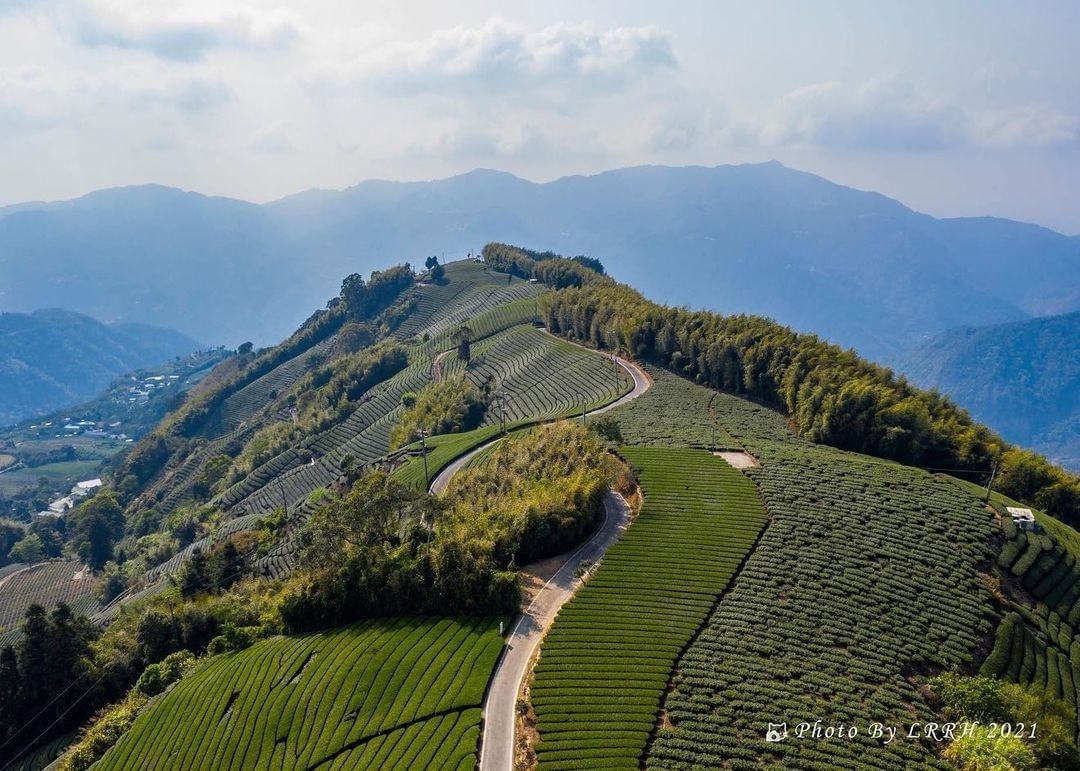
(957,470)
(54,723)
(43,710)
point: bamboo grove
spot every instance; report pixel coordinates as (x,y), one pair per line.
(830,395)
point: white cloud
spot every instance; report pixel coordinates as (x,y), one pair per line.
(500,56)
(1033,126)
(881,114)
(890,114)
(506,138)
(276,140)
(184,36)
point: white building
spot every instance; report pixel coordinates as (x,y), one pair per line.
(1024,519)
(62,505)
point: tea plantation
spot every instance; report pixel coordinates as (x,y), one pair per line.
(382,694)
(867,575)
(1036,642)
(606,661)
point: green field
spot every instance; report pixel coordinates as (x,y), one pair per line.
(442,451)
(607,660)
(401,694)
(60,476)
(868,572)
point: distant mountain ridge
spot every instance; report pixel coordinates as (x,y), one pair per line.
(855,267)
(1023,378)
(54,358)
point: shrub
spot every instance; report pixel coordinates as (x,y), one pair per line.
(447,407)
(974,698)
(982,752)
(104,732)
(157,677)
(233,638)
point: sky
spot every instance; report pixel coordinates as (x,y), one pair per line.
(956,108)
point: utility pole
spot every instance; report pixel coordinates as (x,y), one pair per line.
(500,397)
(423,451)
(582,408)
(990,484)
(714,436)
(284,500)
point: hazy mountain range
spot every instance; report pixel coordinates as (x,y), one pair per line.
(1022,378)
(855,267)
(51,359)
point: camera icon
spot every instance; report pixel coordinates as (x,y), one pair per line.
(777,732)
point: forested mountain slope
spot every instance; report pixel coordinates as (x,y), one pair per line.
(286,501)
(53,358)
(1022,378)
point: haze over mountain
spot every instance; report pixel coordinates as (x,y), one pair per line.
(855,267)
(53,358)
(1023,378)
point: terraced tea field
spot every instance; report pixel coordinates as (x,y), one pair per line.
(542,376)
(674,413)
(382,694)
(469,291)
(254,397)
(607,660)
(1037,645)
(870,571)
(46,583)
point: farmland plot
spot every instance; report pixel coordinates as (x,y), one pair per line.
(468,292)
(399,693)
(542,376)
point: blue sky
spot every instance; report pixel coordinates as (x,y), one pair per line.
(955,108)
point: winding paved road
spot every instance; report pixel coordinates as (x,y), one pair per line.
(497,747)
(500,706)
(641,385)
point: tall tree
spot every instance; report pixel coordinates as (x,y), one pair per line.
(230,566)
(67,649)
(10,708)
(194,578)
(28,550)
(463,338)
(34,664)
(98,524)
